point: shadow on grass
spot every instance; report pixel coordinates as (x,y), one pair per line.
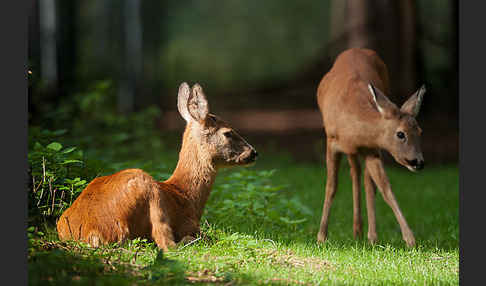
(63,267)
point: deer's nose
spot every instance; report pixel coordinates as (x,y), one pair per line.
(420,164)
(253,154)
(416,164)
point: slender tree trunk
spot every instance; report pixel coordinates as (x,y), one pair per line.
(47,21)
(67,43)
(101,33)
(408,49)
(132,56)
(357,24)
(338,35)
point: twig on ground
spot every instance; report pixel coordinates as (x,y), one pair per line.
(191,242)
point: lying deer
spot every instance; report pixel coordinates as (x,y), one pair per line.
(131,204)
(359,121)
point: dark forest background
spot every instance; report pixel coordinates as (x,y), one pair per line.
(259,62)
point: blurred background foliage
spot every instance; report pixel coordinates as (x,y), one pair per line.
(254,59)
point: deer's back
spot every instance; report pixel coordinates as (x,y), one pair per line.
(111,208)
(117,207)
(345,101)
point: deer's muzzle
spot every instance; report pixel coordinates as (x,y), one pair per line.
(416,164)
(247,157)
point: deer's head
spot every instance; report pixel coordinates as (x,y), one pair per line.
(401,135)
(215,139)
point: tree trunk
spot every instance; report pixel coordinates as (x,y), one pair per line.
(132,56)
(101,34)
(357,24)
(67,43)
(338,35)
(47,21)
(408,50)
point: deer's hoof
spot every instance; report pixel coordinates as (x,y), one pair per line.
(410,241)
(372,238)
(321,237)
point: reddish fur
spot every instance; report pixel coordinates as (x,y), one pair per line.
(356,127)
(344,96)
(131,204)
(128,198)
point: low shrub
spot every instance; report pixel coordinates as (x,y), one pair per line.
(247,200)
(58,176)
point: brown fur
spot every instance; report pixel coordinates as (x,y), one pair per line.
(131,204)
(359,120)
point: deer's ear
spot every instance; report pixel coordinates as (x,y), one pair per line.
(412,105)
(182,98)
(197,105)
(381,101)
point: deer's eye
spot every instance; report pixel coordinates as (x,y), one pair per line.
(228,134)
(400,135)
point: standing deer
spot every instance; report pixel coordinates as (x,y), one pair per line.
(359,120)
(131,204)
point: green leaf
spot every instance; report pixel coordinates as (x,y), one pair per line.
(68,150)
(37,146)
(71,161)
(54,146)
(71,181)
(80,183)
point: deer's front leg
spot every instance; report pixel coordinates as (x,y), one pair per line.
(374,164)
(161,230)
(333,159)
(188,231)
(370,206)
(355,170)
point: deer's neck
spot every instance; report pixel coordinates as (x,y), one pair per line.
(194,174)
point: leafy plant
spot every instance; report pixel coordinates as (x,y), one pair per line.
(57,176)
(247,199)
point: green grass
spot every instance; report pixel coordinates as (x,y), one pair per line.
(251,254)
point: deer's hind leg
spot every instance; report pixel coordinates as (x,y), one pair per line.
(355,171)
(333,158)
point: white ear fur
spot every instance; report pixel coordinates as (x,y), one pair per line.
(413,104)
(197,105)
(386,108)
(373,93)
(182,98)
